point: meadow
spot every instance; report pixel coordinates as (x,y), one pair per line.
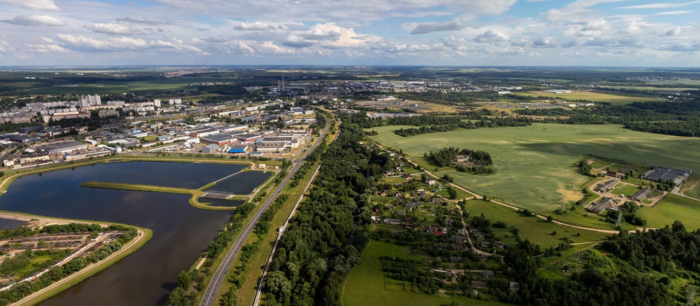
(535,164)
(613,98)
(673,207)
(536,230)
(365,285)
(651,88)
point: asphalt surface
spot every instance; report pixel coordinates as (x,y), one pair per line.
(220,274)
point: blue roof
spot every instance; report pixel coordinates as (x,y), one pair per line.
(236,151)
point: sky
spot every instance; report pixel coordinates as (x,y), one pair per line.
(655,33)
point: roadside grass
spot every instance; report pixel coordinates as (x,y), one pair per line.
(534,163)
(673,208)
(366,285)
(531,228)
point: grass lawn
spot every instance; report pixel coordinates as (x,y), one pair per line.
(614,98)
(534,164)
(534,229)
(366,285)
(625,189)
(672,208)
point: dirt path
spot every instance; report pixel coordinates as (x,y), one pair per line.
(28,299)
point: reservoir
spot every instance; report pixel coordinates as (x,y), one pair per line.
(180,232)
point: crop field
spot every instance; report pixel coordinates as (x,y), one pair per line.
(594,97)
(366,285)
(535,164)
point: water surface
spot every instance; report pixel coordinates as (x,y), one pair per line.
(180,231)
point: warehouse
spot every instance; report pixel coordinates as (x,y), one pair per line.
(63,147)
(665,174)
(220,139)
(210,148)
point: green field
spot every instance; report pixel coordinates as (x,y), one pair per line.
(624,189)
(534,229)
(366,286)
(534,164)
(650,88)
(117,87)
(678,82)
(672,208)
(614,98)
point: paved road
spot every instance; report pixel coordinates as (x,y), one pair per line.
(220,274)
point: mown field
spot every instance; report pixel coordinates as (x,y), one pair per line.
(594,97)
(534,164)
(365,285)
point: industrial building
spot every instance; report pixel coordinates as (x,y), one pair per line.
(63,147)
(665,174)
(210,148)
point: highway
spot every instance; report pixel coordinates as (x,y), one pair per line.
(220,274)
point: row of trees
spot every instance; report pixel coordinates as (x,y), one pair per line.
(472,124)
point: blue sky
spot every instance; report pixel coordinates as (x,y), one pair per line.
(387,32)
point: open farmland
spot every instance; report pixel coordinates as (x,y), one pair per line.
(594,97)
(117,87)
(672,208)
(534,164)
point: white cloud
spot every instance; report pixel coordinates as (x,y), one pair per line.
(111,29)
(142,20)
(35,20)
(82,43)
(577,11)
(491,36)
(253,26)
(673,13)
(46,5)
(659,5)
(429,27)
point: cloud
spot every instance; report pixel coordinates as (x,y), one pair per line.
(35,20)
(544,43)
(253,26)
(429,27)
(673,13)
(82,43)
(142,20)
(298,43)
(319,34)
(682,47)
(577,11)
(491,36)
(111,29)
(613,42)
(672,32)
(45,5)
(659,5)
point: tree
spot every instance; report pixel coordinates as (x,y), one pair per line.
(184,279)
(550,219)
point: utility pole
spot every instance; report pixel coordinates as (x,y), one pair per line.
(563,206)
(619,218)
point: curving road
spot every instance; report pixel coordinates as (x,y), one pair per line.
(220,274)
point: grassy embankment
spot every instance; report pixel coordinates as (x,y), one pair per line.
(534,164)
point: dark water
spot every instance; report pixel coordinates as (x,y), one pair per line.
(182,175)
(7,224)
(180,231)
(243,183)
